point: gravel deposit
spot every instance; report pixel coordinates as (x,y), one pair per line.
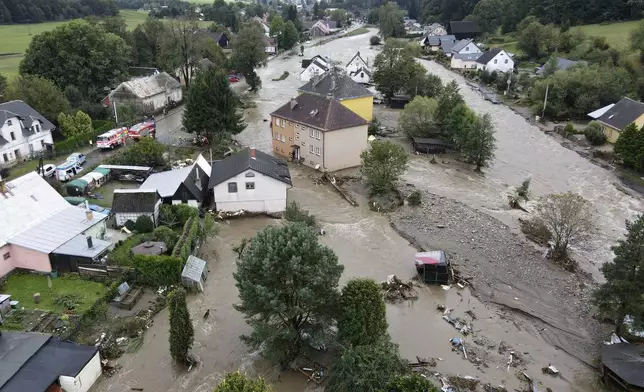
(507,270)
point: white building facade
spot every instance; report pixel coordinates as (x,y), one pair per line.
(24,133)
(251,191)
(496,60)
(316,68)
(85,379)
(356,63)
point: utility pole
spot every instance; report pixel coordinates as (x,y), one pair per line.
(545,101)
(116,117)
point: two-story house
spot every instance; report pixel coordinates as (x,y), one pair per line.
(320,132)
(464,46)
(356,63)
(23,132)
(341,87)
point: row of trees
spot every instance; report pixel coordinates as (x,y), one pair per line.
(36,11)
(285,34)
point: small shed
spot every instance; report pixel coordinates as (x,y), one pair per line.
(103,170)
(150,248)
(194,273)
(76,187)
(433,267)
(428,145)
(98,178)
(398,101)
(622,366)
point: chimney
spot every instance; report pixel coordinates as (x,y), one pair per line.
(90,243)
(293,103)
(252,152)
(88,212)
(333,79)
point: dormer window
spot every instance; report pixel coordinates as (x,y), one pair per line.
(9,122)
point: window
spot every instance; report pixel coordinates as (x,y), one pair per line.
(277,136)
(249,174)
(250,186)
(318,134)
(283,139)
(38,128)
(303,143)
(13,137)
(297,135)
(496,61)
(297,125)
(5,157)
(6,256)
(311,149)
(506,61)
(362,74)
(317,151)
(290,124)
(303,128)
(311,133)
(42,143)
(283,123)
(467,49)
(277,149)
(232,187)
(290,139)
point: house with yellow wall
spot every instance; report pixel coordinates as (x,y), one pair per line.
(619,116)
(342,88)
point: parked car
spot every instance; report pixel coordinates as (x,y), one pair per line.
(77,157)
(233,79)
(47,170)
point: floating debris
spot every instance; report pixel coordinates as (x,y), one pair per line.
(396,290)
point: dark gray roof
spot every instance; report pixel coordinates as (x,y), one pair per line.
(134,200)
(623,113)
(489,55)
(563,64)
(54,359)
(25,112)
(339,85)
(626,361)
(362,69)
(459,45)
(15,350)
(241,161)
(320,64)
(354,56)
(333,24)
(425,140)
(464,27)
(319,112)
(193,178)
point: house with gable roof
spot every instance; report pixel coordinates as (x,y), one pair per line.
(23,132)
(356,62)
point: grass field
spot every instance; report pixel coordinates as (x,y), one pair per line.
(16,38)
(617,34)
(22,287)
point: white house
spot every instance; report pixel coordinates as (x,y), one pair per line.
(270,46)
(355,63)
(151,94)
(497,60)
(317,66)
(465,60)
(464,46)
(435,29)
(250,180)
(129,204)
(23,132)
(362,75)
(188,185)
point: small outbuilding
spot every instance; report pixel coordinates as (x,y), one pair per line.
(195,273)
(76,187)
(398,101)
(622,367)
(429,146)
(433,267)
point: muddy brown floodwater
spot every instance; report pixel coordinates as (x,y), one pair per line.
(368,247)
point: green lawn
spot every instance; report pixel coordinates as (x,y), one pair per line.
(617,34)
(107,191)
(22,287)
(361,30)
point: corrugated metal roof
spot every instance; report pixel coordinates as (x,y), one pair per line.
(30,200)
(51,233)
(77,246)
(194,268)
(167,182)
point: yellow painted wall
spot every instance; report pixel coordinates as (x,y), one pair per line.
(363,107)
(639,122)
(611,133)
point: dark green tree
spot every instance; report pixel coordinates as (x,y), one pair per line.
(365,368)
(143,224)
(417,118)
(146,152)
(3,87)
(479,144)
(290,37)
(237,382)
(79,54)
(390,20)
(623,292)
(293,300)
(39,93)
(396,71)
(629,147)
(211,106)
(182,333)
(413,382)
(449,98)
(363,317)
(383,164)
(461,120)
(249,53)
(147,39)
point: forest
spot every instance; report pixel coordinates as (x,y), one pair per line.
(36,11)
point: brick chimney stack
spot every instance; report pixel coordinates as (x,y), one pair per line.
(252,152)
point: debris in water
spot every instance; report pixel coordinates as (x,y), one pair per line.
(446,287)
(460,325)
(471,314)
(396,290)
(456,342)
(463,382)
(553,371)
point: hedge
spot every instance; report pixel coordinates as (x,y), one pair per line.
(76,142)
(157,270)
(188,240)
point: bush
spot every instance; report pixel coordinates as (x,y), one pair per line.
(166,235)
(295,213)
(183,212)
(415,198)
(146,152)
(129,225)
(156,270)
(167,217)
(569,129)
(594,134)
(374,40)
(189,238)
(144,224)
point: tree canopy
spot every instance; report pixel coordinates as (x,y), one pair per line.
(237,382)
(250,52)
(417,118)
(38,11)
(146,152)
(76,125)
(182,332)
(413,382)
(623,291)
(39,93)
(78,54)
(390,20)
(211,106)
(629,147)
(288,287)
(363,318)
(383,164)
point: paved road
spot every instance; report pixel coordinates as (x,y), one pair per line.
(168,128)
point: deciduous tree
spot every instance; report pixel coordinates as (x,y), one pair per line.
(182,332)
(211,106)
(294,297)
(417,118)
(147,40)
(622,293)
(277,27)
(390,20)
(629,147)
(39,93)
(250,53)
(76,125)
(146,152)
(237,382)
(365,368)
(538,40)
(570,219)
(363,317)
(290,37)
(79,54)
(479,144)
(449,99)
(182,46)
(3,87)
(383,164)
